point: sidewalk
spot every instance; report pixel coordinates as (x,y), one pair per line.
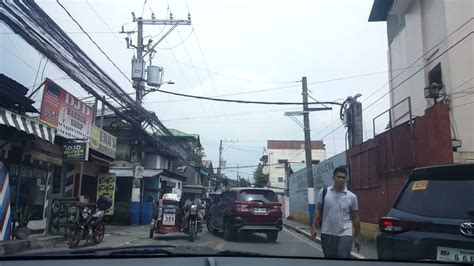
(33,242)
(47,241)
(368,250)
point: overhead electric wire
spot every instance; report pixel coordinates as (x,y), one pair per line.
(103,21)
(207,66)
(179,44)
(416,72)
(34,25)
(218,116)
(422,56)
(240,101)
(37,73)
(410,66)
(92,40)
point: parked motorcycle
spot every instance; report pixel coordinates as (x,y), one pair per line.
(90,226)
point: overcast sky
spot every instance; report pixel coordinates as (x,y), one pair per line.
(232,47)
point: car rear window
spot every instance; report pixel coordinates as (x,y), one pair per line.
(258,195)
(438,198)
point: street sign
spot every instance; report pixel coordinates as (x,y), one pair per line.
(76,152)
(138,171)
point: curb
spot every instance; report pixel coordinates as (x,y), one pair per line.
(354,255)
(13,246)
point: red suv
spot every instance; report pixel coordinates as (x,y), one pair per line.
(246,209)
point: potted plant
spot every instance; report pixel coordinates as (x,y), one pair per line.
(20,222)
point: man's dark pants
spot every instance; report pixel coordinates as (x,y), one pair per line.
(336,246)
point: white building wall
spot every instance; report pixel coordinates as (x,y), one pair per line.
(424,37)
(460,81)
(276,171)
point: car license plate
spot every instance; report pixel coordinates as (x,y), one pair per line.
(455,255)
(260,210)
(168,219)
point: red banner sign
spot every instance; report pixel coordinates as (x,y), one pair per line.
(68,114)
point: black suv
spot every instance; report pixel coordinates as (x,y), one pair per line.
(432,218)
(246,209)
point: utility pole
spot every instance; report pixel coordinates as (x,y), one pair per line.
(307,146)
(140,84)
(237,172)
(220,165)
(138,62)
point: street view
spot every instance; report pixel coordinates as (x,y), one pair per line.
(278,129)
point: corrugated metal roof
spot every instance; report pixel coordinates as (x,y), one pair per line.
(294,144)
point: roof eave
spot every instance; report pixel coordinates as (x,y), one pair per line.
(380,10)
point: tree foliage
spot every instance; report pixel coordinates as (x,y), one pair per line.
(243,182)
(260,179)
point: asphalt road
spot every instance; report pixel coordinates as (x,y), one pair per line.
(289,243)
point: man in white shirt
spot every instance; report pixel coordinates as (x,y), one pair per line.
(338,211)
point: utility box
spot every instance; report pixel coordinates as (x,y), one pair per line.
(138,69)
(154,76)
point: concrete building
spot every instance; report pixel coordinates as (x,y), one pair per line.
(280,152)
(431,42)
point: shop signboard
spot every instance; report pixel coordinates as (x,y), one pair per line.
(75,152)
(103,142)
(106,188)
(69,115)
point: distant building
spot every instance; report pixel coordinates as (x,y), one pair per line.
(280,153)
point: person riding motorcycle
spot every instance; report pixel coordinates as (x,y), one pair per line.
(187,205)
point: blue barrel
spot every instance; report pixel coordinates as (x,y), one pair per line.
(146,212)
(135,213)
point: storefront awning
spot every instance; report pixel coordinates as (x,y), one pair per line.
(173,175)
(27,125)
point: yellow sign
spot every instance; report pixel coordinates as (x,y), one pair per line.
(106,188)
(420,185)
(103,142)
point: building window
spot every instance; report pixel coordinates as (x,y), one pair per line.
(435,75)
(28,186)
(280,180)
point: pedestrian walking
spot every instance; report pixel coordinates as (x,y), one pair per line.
(336,215)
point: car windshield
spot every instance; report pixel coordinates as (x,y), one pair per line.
(258,195)
(440,198)
(281,128)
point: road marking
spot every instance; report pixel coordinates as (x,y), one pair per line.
(220,245)
(147,241)
(126,243)
(304,239)
(205,243)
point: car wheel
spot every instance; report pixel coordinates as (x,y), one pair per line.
(272,236)
(75,238)
(228,233)
(99,233)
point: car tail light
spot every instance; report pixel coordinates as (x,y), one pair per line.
(395,226)
(241,206)
(277,206)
